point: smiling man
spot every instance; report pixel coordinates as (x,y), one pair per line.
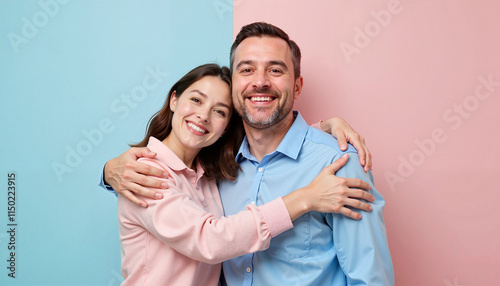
(280,151)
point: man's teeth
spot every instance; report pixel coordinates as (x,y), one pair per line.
(197,128)
(261,98)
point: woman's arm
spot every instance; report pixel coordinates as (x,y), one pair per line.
(185,226)
(328,193)
(344,133)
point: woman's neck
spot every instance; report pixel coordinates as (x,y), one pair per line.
(187,155)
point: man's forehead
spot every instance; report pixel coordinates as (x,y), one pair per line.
(265,48)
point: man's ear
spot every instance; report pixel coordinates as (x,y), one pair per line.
(173,101)
(299,83)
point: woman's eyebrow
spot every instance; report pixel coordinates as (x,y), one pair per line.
(206,96)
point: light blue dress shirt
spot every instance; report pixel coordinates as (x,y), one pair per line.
(321,249)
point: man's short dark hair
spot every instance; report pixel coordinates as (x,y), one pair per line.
(260,29)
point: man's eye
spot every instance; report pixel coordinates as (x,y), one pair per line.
(275,71)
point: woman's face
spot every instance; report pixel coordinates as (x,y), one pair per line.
(201,113)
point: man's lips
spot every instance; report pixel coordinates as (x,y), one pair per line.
(261,98)
(261,95)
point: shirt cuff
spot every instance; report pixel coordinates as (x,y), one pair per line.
(277,217)
(105,186)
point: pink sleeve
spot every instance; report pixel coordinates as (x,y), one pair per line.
(180,223)
(277,217)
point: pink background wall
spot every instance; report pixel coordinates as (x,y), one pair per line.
(421,81)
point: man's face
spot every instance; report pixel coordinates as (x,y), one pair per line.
(264,87)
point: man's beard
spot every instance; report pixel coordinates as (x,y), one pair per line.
(259,123)
(276,116)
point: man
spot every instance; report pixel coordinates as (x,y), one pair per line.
(281,152)
(321,249)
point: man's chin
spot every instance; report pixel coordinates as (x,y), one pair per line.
(258,122)
(261,122)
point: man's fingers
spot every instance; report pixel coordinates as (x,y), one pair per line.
(131,192)
(138,152)
(150,182)
(146,169)
(131,197)
(145,192)
(145,152)
(145,179)
(139,184)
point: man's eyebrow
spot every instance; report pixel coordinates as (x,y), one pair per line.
(274,62)
(279,63)
(247,62)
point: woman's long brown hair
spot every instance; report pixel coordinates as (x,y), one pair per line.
(217,159)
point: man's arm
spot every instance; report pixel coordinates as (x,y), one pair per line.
(129,178)
(362,246)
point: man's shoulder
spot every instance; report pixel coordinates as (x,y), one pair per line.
(319,139)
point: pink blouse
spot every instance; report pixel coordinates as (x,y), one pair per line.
(183,238)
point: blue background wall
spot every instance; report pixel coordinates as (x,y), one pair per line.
(78,82)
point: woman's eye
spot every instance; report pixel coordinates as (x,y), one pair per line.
(220,112)
(194,99)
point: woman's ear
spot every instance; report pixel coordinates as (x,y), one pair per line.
(173,101)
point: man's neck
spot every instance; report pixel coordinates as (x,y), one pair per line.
(267,140)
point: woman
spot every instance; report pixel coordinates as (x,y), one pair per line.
(181,239)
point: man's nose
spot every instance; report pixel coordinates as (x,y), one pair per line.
(261,80)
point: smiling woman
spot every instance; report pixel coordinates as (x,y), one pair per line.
(206,87)
(200,117)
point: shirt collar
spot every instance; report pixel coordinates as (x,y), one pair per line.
(289,146)
(169,158)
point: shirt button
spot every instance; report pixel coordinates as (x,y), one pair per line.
(260,169)
(248,269)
